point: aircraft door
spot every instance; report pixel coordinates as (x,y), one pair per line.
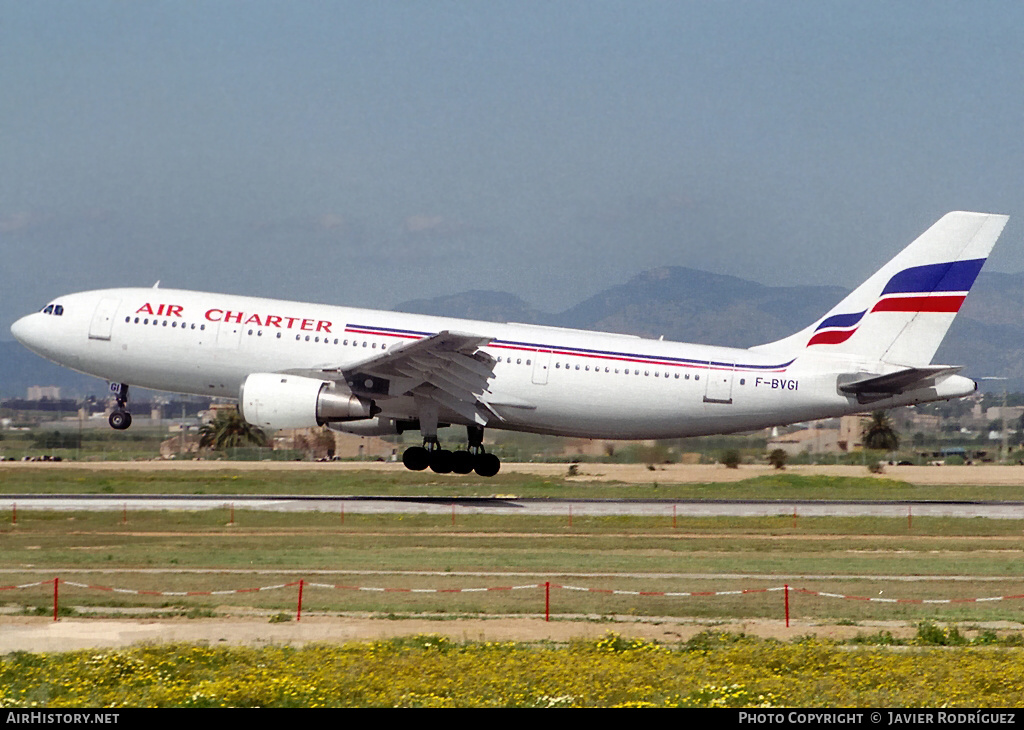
(541,364)
(103,319)
(719,387)
(228,335)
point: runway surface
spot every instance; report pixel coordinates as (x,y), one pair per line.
(523,506)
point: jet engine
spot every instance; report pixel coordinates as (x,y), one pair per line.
(378,426)
(276,400)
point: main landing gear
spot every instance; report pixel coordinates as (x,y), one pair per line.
(120,418)
(442,461)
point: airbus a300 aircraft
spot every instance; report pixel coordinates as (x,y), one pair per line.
(296,365)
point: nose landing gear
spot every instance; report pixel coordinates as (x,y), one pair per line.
(120,418)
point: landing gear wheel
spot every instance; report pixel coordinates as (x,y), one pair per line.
(462,462)
(416,458)
(487,465)
(120,420)
(441,461)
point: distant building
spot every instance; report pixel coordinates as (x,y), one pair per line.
(39,392)
(822,437)
(321,443)
(1013,413)
(850,428)
(807,441)
(925,421)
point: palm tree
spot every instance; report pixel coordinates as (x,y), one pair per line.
(878,433)
(228,430)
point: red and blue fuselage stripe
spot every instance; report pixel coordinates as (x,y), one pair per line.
(629,357)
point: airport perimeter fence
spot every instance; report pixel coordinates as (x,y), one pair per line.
(786,591)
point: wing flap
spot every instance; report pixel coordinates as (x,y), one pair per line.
(448,368)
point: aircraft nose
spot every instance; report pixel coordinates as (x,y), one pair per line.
(24,331)
(20,329)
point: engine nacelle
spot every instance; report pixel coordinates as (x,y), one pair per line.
(379,426)
(275,400)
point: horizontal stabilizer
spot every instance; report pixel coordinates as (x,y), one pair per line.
(869,387)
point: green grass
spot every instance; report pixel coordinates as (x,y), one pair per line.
(246,480)
(199,551)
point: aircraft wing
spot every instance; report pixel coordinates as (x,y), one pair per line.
(869,387)
(447,368)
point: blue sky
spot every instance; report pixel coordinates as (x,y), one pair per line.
(368,153)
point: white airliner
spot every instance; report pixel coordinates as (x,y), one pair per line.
(296,365)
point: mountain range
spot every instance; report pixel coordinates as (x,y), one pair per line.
(688,305)
(680,304)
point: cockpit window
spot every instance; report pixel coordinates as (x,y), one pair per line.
(48,309)
(58,309)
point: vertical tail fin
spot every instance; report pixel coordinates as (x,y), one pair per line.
(901,314)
